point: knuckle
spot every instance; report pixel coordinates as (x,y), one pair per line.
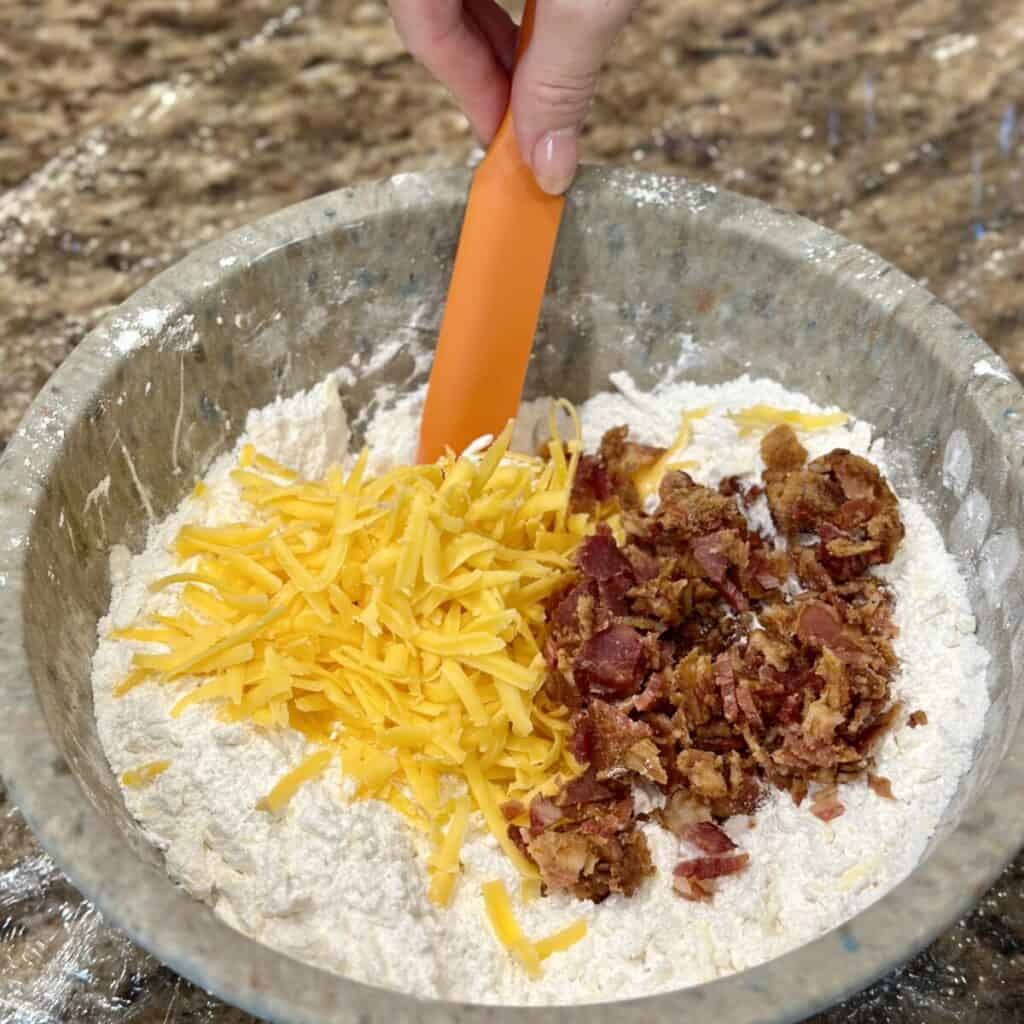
(564,93)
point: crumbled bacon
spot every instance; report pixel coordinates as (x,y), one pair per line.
(841,497)
(608,819)
(599,556)
(708,838)
(610,663)
(826,805)
(704,868)
(654,692)
(584,789)
(917,719)
(692,890)
(689,511)
(690,664)
(591,486)
(622,745)
(881,785)
(726,681)
(782,452)
(682,810)
(818,624)
(561,858)
(599,854)
(543,814)
(702,771)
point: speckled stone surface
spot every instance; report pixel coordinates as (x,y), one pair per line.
(130,133)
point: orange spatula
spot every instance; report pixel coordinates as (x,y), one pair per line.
(494,299)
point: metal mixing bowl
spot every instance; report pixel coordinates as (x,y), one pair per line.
(649,271)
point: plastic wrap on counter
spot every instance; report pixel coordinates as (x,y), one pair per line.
(60,963)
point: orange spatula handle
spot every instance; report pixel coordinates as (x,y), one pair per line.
(495,296)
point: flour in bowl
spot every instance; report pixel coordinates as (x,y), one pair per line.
(342,884)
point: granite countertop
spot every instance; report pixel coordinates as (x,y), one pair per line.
(130,133)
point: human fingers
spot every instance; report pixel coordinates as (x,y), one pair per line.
(449,40)
(556,79)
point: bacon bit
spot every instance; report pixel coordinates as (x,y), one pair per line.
(798,791)
(543,814)
(566,613)
(581,737)
(689,511)
(881,785)
(711,557)
(645,566)
(708,838)
(818,624)
(762,572)
(821,721)
(782,451)
(560,857)
(609,819)
(614,736)
(512,809)
(745,699)
(653,693)
(591,485)
(726,682)
(611,662)
(826,805)
(612,597)
(599,557)
(643,759)
(702,770)
(692,890)
(704,868)
(682,810)
(917,719)
(584,789)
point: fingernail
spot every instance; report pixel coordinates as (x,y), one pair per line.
(554,160)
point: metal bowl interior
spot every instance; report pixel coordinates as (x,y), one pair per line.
(649,272)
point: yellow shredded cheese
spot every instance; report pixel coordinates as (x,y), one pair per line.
(444,863)
(530,954)
(394,621)
(289,784)
(562,940)
(764,417)
(506,927)
(144,773)
(647,480)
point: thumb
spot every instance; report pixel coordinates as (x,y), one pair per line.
(556,79)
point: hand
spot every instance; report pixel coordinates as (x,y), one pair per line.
(470,46)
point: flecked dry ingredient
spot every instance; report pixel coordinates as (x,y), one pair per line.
(343,885)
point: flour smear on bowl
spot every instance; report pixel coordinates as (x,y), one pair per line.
(343,883)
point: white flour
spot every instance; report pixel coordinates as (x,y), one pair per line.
(344,886)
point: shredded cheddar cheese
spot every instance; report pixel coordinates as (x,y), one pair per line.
(288,785)
(395,622)
(510,935)
(764,417)
(144,773)
(561,941)
(647,481)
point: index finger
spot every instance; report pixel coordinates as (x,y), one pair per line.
(454,48)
